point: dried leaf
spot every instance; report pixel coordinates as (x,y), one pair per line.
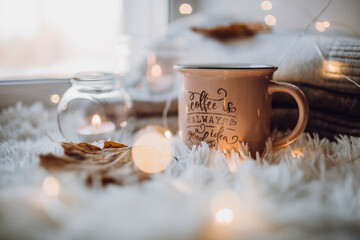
(112,162)
(233,31)
(111,144)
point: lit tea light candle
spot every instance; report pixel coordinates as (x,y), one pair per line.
(156,76)
(97,129)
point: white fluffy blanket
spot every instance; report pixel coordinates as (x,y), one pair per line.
(308,191)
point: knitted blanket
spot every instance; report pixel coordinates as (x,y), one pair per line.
(330,79)
(310,190)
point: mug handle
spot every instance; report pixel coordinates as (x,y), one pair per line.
(303,107)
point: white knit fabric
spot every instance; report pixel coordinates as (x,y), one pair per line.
(315,196)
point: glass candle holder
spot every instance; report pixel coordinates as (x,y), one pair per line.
(93,108)
(160,76)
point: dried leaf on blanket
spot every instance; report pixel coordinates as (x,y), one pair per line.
(110,164)
(233,31)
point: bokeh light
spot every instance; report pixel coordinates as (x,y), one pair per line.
(326,24)
(51,186)
(270,20)
(55,98)
(152,151)
(185,8)
(123,124)
(224,216)
(167,134)
(266,5)
(224,204)
(297,153)
(320,27)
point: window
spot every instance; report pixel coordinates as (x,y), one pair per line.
(57,38)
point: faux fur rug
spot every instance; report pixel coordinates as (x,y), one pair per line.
(310,190)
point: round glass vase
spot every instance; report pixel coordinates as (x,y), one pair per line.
(94,108)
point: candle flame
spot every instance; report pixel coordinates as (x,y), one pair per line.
(156,70)
(96,120)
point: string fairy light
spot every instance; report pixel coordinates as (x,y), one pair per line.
(326,24)
(304,31)
(185,9)
(123,124)
(330,66)
(270,20)
(55,98)
(322,26)
(266,5)
(167,134)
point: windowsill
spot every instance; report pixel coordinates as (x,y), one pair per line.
(17,81)
(29,91)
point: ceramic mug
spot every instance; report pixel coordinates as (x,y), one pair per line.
(227,104)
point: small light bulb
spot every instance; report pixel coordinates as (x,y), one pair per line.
(123,124)
(320,27)
(167,134)
(270,20)
(185,9)
(326,24)
(55,98)
(266,5)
